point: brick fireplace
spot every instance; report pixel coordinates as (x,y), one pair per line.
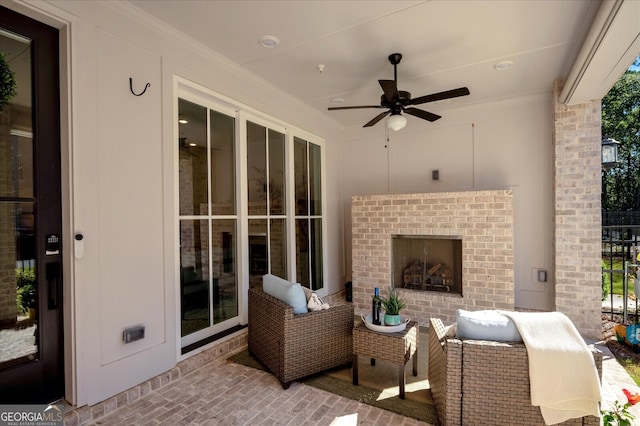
(481,220)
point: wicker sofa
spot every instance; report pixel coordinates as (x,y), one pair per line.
(295,346)
(484,382)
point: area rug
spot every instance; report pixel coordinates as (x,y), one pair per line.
(417,403)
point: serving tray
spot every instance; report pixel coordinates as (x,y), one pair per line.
(385,328)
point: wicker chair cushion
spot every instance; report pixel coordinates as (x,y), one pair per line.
(290,293)
(486,325)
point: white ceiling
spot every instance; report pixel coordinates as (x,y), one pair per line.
(445,45)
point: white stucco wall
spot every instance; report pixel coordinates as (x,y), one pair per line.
(122,184)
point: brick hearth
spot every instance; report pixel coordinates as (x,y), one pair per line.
(484,220)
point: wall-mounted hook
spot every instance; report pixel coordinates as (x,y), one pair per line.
(134,93)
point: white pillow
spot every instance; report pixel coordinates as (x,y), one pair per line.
(486,325)
(307,292)
(290,293)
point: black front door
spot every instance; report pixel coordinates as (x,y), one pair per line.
(31,340)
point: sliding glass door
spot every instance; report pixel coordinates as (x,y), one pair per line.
(208,221)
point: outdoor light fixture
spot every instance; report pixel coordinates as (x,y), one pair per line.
(396,122)
(609,153)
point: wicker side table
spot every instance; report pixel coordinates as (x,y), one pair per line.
(396,348)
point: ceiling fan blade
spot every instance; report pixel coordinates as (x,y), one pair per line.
(355,107)
(425,115)
(390,89)
(377,118)
(447,94)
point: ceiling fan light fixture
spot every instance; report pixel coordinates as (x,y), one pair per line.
(396,122)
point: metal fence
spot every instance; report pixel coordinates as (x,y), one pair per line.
(620,249)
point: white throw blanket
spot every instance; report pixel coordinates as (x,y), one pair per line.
(563,374)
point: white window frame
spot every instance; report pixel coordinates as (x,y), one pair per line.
(190,91)
(210,103)
(309,138)
(269,125)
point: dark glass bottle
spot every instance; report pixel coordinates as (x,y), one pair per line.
(376,306)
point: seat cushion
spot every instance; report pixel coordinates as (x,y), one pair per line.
(290,293)
(486,325)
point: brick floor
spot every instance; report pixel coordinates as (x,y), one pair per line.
(222,393)
(207,390)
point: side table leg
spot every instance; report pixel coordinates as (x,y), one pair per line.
(401,380)
(415,363)
(354,369)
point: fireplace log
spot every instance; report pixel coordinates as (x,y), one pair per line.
(434,269)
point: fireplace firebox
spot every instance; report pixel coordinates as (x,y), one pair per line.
(428,263)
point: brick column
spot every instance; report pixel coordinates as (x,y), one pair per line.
(8,311)
(577,237)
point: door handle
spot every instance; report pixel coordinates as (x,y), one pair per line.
(53,282)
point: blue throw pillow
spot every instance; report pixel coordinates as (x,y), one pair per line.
(290,293)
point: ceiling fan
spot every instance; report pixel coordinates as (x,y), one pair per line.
(398,101)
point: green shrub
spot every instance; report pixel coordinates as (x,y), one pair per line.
(26,290)
(25,277)
(618,416)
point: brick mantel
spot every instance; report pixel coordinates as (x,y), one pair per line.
(484,220)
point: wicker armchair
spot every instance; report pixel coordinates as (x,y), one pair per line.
(295,346)
(484,382)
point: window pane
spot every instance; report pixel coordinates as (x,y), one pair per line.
(301,176)
(223,170)
(192,145)
(302,252)
(194,275)
(278,247)
(257,251)
(17,158)
(315,180)
(18,284)
(225,288)
(25,233)
(257,168)
(316,254)
(276,173)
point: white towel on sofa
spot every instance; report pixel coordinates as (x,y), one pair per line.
(564,378)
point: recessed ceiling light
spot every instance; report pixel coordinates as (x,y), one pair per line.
(183,121)
(193,144)
(269,41)
(502,65)
(337,101)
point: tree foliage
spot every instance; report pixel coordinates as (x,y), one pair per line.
(7,82)
(621,121)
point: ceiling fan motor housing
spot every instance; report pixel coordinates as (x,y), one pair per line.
(402,99)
